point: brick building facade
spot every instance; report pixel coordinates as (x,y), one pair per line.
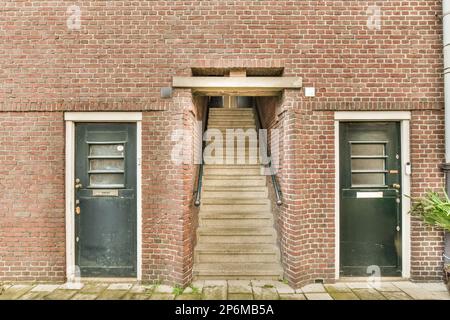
(118,56)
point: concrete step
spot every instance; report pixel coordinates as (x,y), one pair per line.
(233,123)
(238,271)
(210,194)
(236,177)
(231,117)
(236,131)
(223,127)
(236,235)
(236,253)
(218,183)
(232,203)
(235,188)
(232,171)
(208,206)
(231,166)
(245,147)
(241,160)
(230,156)
(223,220)
(230,111)
(236,215)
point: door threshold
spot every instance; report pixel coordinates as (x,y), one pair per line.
(363,279)
(108,280)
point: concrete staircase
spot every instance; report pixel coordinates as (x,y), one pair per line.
(236,238)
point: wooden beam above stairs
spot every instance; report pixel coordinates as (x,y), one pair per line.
(237,86)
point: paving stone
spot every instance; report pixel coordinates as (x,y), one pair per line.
(358,285)
(368,294)
(137,288)
(384,287)
(94,287)
(343,295)
(264,283)
(214,293)
(438,295)
(199,284)
(188,290)
(318,296)
(71,286)
(399,295)
(189,296)
(148,288)
(45,288)
(15,291)
(239,286)
(419,294)
(136,296)
(215,283)
(120,286)
(60,294)
(38,295)
(4,287)
(84,296)
(405,285)
(162,296)
(163,289)
(193,290)
(112,295)
(337,288)
(295,296)
(265,293)
(314,288)
(283,288)
(433,286)
(240,296)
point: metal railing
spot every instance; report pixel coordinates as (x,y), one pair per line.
(198,195)
(275,184)
(198,192)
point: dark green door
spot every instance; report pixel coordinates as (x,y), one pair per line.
(370,198)
(105,195)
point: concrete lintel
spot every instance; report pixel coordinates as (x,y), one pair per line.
(258,86)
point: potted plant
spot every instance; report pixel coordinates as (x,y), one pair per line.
(434,209)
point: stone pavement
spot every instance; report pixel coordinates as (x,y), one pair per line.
(227,290)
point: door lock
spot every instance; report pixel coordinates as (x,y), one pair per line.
(396,186)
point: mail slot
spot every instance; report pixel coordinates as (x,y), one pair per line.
(105,193)
(369,195)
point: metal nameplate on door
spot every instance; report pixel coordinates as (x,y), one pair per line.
(105,193)
(369,195)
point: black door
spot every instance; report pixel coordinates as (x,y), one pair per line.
(370,198)
(105,195)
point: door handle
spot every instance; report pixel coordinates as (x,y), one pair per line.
(78,184)
(396,186)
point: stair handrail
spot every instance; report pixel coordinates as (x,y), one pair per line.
(198,196)
(275,184)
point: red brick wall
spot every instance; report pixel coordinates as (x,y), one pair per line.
(169,216)
(125,52)
(32,223)
(427,153)
(305,221)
